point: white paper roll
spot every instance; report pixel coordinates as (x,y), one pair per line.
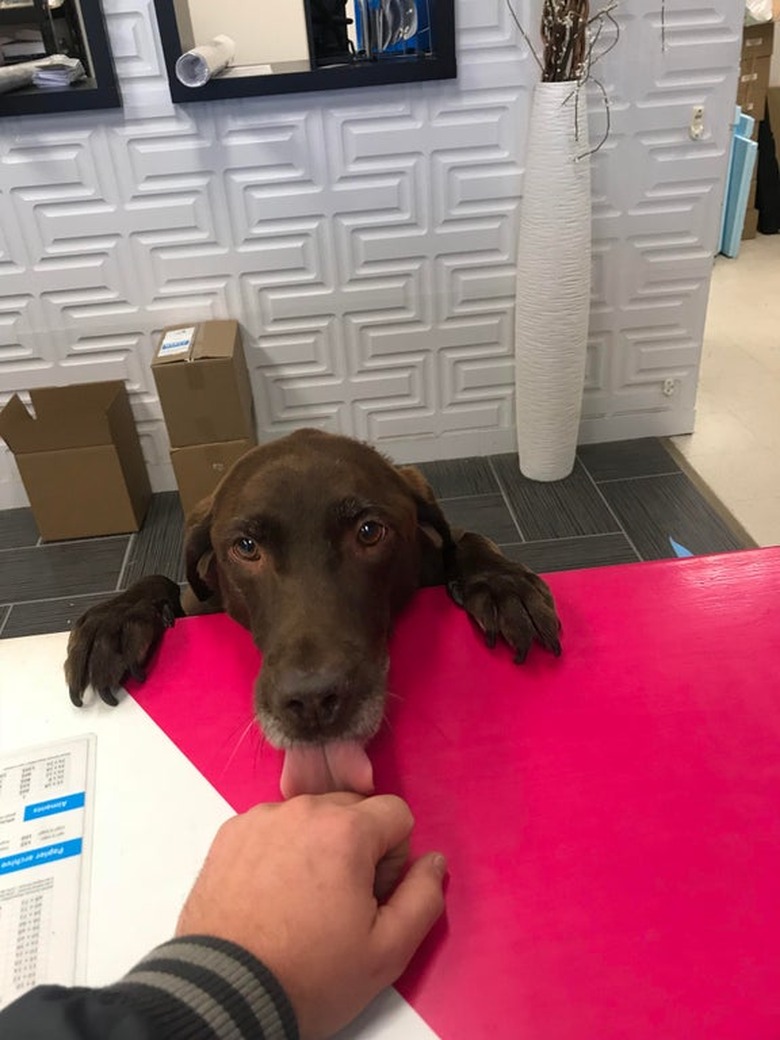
(196,67)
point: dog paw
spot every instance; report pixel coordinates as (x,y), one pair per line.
(117,639)
(509,601)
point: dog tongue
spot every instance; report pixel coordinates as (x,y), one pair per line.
(318,769)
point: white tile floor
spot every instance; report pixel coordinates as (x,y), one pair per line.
(735,447)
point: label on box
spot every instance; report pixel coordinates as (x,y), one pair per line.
(177,341)
(46,796)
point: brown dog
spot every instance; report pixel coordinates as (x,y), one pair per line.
(315,543)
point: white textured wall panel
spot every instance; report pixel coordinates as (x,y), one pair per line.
(366,239)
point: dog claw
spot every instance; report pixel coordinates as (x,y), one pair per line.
(108,698)
(455,590)
(521,654)
(76,697)
(138,672)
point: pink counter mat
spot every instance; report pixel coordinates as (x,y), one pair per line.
(611,818)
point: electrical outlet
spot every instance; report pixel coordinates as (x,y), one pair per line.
(670,387)
(696,129)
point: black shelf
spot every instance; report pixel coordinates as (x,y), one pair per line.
(98,90)
(441,64)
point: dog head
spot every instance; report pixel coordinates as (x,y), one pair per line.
(314,543)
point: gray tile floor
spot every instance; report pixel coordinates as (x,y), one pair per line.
(621,504)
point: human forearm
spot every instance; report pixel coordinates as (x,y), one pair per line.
(194,988)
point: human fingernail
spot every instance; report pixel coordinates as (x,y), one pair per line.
(440,864)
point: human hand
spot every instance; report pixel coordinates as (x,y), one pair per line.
(294,883)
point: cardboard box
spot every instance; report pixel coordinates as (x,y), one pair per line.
(200,468)
(755,107)
(753,86)
(758,40)
(79,459)
(203,384)
(751,224)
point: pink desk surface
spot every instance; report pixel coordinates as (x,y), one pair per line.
(612,818)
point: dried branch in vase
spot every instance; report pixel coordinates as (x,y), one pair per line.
(570,38)
(565,39)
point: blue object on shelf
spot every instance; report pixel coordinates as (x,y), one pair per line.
(679,550)
(384,13)
(742,162)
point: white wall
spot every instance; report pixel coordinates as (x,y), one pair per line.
(366,238)
(264,31)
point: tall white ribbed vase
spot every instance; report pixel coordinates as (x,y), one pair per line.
(553,283)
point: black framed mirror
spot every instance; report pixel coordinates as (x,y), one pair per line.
(292,46)
(34,36)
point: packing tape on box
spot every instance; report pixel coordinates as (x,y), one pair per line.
(207,431)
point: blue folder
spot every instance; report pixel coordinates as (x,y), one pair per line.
(742,162)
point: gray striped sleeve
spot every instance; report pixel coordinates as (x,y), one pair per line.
(201,987)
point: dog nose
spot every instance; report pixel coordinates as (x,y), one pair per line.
(314,710)
(310,699)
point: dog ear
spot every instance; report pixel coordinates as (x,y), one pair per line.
(199,555)
(429,514)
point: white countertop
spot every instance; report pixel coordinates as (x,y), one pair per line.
(155,816)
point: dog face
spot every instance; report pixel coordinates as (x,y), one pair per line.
(314,544)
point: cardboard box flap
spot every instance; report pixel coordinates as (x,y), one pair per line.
(92,397)
(209,339)
(175,345)
(14,421)
(65,417)
(214,339)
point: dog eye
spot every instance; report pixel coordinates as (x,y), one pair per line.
(371,532)
(246,548)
